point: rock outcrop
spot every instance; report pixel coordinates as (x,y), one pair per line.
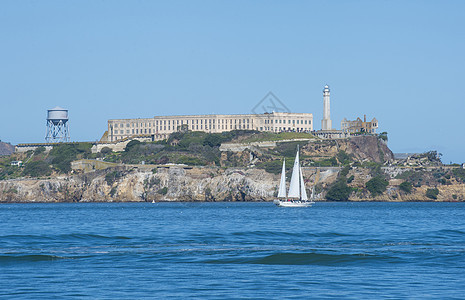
(167,184)
(97,181)
(195,184)
(6,148)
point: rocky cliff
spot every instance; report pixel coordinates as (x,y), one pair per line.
(99,181)
(194,184)
(167,184)
(6,148)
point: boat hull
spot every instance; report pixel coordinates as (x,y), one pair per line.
(293,203)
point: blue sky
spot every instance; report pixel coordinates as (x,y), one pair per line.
(402,62)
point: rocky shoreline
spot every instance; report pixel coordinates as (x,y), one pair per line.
(192,184)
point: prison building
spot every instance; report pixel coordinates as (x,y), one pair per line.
(160,127)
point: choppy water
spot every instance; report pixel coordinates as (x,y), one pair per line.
(232,250)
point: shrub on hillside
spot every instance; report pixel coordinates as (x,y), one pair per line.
(163,191)
(37,168)
(339,191)
(377,185)
(111,177)
(106,150)
(343,157)
(406,187)
(274,166)
(39,150)
(62,155)
(432,193)
(350,179)
(459,173)
(132,144)
(345,171)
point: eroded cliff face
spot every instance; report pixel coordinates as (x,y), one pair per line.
(167,184)
(226,183)
(362,148)
(196,184)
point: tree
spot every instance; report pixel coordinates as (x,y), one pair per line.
(213,140)
(106,150)
(131,145)
(383,136)
(406,187)
(376,185)
(432,193)
(339,191)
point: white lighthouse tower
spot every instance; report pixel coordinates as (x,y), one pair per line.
(326,122)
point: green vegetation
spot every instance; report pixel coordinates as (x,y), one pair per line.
(374,167)
(39,150)
(274,166)
(163,191)
(339,191)
(414,177)
(459,174)
(62,155)
(329,162)
(269,136)
(37,169)
(106,150)
(377,185)
(432,193)
(287,150)
(345,171)
(111,177)
(184,147)
(344,158)
(406,187)
(350,179)
(383,136)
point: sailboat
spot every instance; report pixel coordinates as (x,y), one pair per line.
(297,196)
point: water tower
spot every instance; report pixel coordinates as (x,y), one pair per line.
(57,125)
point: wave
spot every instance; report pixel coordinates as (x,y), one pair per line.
(62,237)
(450,232)
(307,259)
(29,258)
(288,234)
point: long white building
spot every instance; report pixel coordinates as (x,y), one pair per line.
(160,127)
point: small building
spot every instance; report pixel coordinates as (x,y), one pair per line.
(359,126)
(17,163)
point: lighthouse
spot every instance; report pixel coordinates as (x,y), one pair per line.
(326,122)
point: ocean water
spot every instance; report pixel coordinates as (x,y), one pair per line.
(232,251)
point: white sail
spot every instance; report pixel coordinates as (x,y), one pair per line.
(294,187)
(282,183)
(303,192)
